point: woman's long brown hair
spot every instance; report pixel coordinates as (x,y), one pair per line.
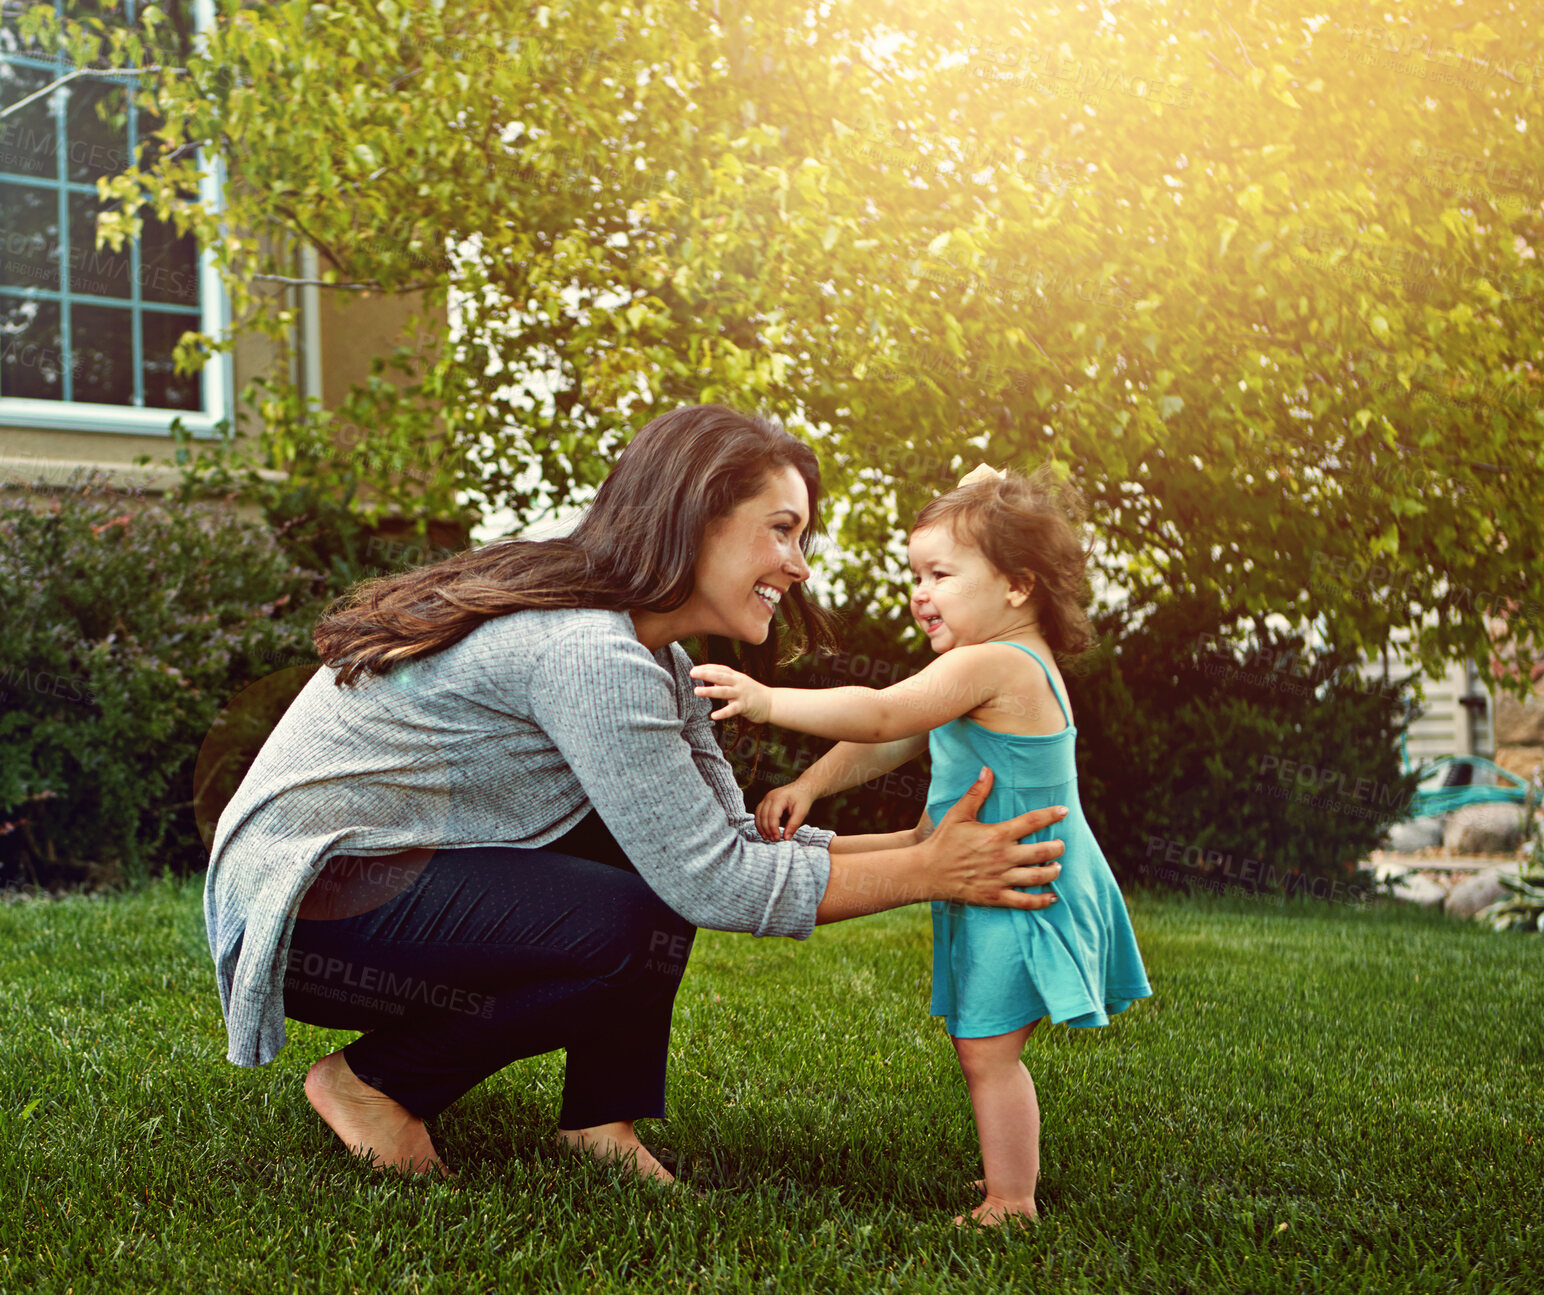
(635,547)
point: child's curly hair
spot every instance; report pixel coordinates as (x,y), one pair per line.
(1028,526)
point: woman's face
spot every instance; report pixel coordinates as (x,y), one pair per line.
(750,558)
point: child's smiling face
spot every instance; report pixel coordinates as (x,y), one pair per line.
(960,597)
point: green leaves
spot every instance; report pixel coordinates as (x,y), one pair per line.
(1016,247)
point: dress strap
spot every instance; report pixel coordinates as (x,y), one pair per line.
(1066,718)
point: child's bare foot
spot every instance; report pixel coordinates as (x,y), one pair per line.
(617,1142)
(994,1211)
(372,1125)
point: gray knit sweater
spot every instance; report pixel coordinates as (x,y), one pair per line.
(509,737)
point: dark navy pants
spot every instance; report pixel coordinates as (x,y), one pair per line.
(496,953)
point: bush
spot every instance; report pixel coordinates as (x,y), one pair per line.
(1254,766)
(126,627)
(316,512)
(1258,766)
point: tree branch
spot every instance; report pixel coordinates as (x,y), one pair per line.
(369,285)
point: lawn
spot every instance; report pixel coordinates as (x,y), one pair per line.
(1328,1099)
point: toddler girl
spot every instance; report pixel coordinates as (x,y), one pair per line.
(999,572)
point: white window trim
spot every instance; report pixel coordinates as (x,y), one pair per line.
(218,374)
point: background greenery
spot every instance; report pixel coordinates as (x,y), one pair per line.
(1262,278)
(1316,1099)
(128,624)
(1262,281)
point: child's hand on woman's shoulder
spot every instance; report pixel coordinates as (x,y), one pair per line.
(743,694)
(793,800)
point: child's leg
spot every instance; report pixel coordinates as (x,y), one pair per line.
(1002,1095)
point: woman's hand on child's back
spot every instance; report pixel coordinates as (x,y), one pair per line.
(742,694)
(980,863)
(792,800)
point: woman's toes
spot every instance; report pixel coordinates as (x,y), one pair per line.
(610,1149)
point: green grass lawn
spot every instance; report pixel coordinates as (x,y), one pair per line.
(1327,1099)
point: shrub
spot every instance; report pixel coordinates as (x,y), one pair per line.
(316,512)
(1256,765)
(126,627)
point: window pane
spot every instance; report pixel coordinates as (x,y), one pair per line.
(29,236)
(104,347)
(168,265)
(95,271)
(165,389)
(31,353)
(94,147)
(27,144)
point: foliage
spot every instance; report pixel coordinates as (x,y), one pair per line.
(1257,766)
(316,515)
(1264,280)
(1523,909)
(126,627)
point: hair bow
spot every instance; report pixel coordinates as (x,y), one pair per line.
(982,472)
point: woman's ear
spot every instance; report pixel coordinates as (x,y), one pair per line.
(1021,591)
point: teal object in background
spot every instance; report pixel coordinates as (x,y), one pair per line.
(1444,799)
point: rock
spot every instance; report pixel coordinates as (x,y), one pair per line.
(1518,723)
(1414,888)
(1483,829)
(1415,834)
(1476,892)
(1524,761)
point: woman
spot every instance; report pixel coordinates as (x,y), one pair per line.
(423,848)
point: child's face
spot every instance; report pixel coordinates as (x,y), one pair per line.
(959,597)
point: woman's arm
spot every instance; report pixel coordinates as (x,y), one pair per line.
(961,860)
(883,840)
(873,841)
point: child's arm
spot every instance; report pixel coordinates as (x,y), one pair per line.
(850,764)
(845,765)
(952,685)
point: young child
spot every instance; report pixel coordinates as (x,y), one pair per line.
(999,570)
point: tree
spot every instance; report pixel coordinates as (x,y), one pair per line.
(1263,282)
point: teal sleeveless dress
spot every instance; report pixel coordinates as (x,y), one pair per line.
(996,969)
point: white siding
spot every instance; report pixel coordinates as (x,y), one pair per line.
(1445,726)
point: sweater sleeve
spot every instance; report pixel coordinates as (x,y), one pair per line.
(609,708)
(715,768)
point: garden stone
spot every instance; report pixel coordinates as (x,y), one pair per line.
(1414,888)
(1519,723)
(1483,829)
(1477,892)
(1416,834)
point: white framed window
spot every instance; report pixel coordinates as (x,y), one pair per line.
(86,335)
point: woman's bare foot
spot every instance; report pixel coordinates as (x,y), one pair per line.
(372,1125)
(994,1211)
(617,1142)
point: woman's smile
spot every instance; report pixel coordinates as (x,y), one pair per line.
(768,595)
